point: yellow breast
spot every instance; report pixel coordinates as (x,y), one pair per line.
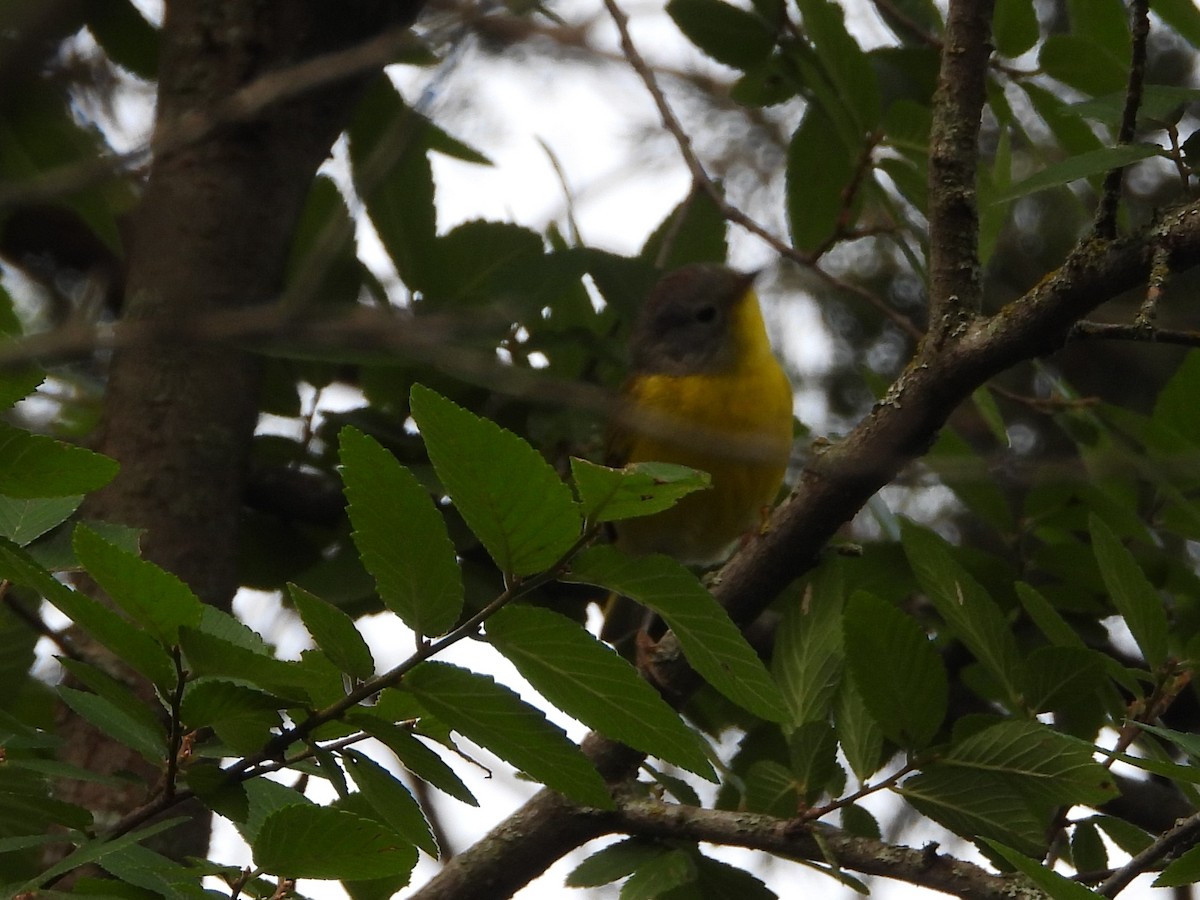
(735,425)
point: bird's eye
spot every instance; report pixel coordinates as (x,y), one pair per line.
(706,313)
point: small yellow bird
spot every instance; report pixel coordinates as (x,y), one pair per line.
(705,391)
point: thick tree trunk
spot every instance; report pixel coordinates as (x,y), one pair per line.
(211,234)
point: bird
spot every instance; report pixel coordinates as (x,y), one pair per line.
(705,390)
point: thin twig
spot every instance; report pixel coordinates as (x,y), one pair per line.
(1184,834)
(1106,214)
(671,123)
(1122,331)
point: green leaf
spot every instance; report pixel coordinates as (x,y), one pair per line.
(1046,617)
(151,596)
(807,659)
(23,521)
(391,800)
(1056,886)
(208,654)
(1088,853)
(334,632)
(694,231)
(95,850)
(401,536)
(639,489)
(971,614)
(507,494)
(415,756)
(1084,165)
(143,717)
(303,841)
(613,862)
(1183,16)
(1014,26)
(710,641)
(1083,64)
(1131,592)
(484,264)
(494,717)
(33,465)
(858,733)
(116,723)
(813,757)
(135,647)
(664,872)
(242,717)
(589,681)
(1182,870)
(844,63)
(897,671)
(1041,764)
(391,170)
(814,205)
(974,806)
(730,35)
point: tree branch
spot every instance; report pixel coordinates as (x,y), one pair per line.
(1110,198)
(782,837)
(955,279)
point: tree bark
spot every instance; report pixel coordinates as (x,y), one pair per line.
(211,233)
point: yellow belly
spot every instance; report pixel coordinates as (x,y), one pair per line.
(735,426)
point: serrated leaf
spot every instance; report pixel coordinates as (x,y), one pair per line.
(416,757)
(975,805)
(639,489)
(898,673)
(351,846)
(1131,592)
(1083,165)
(33,465)
(151,596)
(391,800)
(208,654)
(509,496)
(334,632)
(1182,870)
(1041,764)
(711,642)
(95,850)
(1056,886)
(401,536)
(729,35)
(494,717)
(807,659)
(135,647)
(858,733)
(664,872)
(612,862)
(970,613)
(116,723)
(589,681)
(1046,617)
(147,717)
(242,717)
(23,521)
(813,757)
